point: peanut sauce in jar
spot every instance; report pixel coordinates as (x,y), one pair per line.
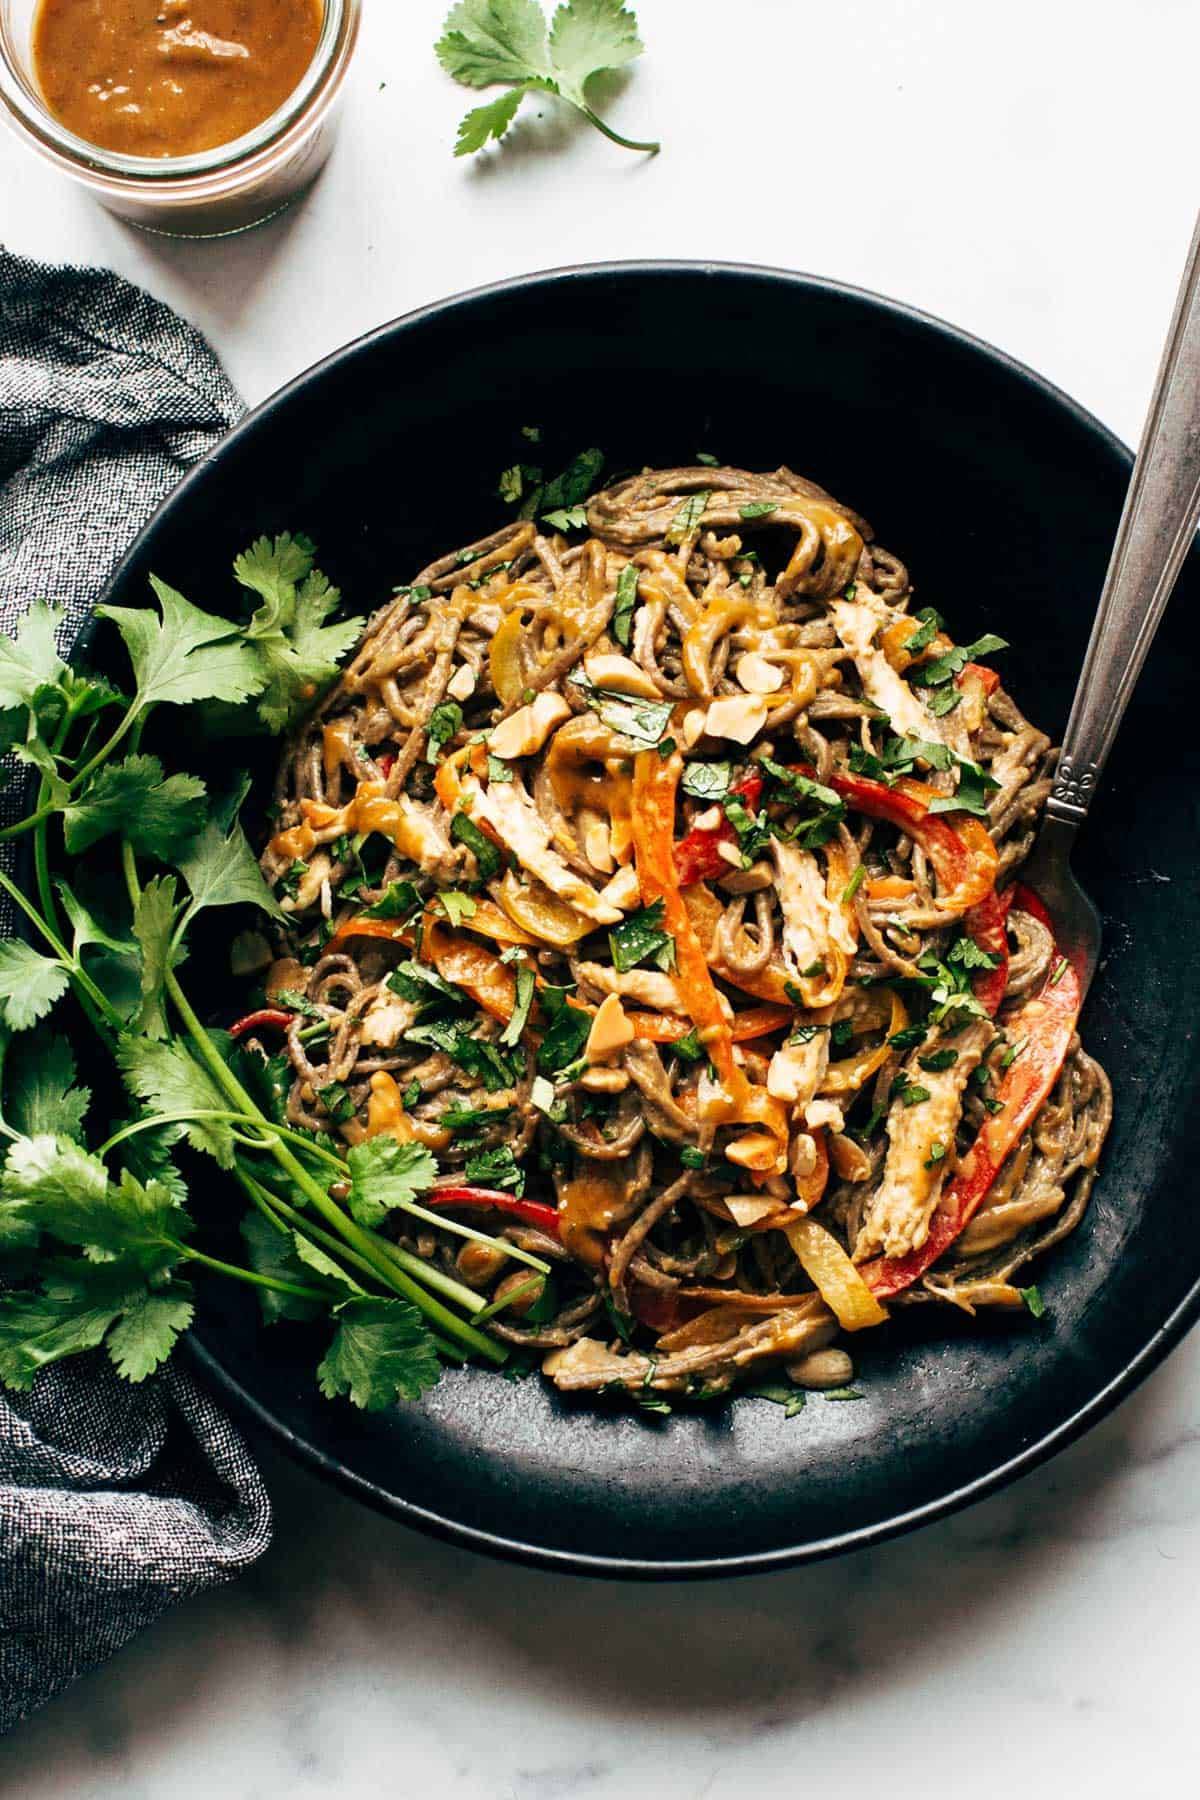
(170,77)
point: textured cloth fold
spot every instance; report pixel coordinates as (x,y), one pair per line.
(115,1501)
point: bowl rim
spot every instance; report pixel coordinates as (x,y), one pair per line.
(1163,1339)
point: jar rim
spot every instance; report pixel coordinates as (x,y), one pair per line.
(27,109)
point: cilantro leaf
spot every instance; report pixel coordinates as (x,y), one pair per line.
(169,1079)
(707,780)
(311,1256)
(567,518)
(186,654)
(221,870)
(297,651)
(643,722)
(40,1092)
(385,1174)
(381,1352)
(465,831)
(638,937)
(145,1335)
(77,1304)
(626,602)
(58,1186)
(445,719)
(511,1035)
(780,1393)
(944,668)
(496,1168)
(157,813)
(29,660)
(398,899)
(30,984)
(153,923)
(456,905)
(687,519)
(487,41)
(567,1033)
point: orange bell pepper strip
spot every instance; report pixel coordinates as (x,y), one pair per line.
(487,919)
(655,783)
(1044,1026)
(755,1022)
(466,964)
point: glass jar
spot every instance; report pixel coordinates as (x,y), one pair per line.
(213,192)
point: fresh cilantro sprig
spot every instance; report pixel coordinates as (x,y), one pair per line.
(96,1242)
(488,42)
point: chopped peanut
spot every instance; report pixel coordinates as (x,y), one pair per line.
(611,1030)
(758,1150)
(524,732)
(748,1209)
(597,846)
(461,684)
(739,717)
(692,729)
(623,889)
(621,675)
(757,675)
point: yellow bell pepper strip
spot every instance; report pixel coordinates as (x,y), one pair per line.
(509,677)
(1043,1027)
(541,915)
(834,1276)
(655,782)
(850,1073)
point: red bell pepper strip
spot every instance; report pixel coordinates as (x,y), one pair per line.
(1044,1026)
(963,854)
(387,761)
(987,678)
(697,857)
(986,924)
(531,1212)
(266,1016)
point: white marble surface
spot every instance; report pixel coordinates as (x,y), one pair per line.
(1026,170)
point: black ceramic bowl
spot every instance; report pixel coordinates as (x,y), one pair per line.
(1003,497)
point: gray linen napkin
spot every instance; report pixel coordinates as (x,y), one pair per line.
(115,1501)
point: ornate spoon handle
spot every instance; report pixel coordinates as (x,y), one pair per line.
(1162,510)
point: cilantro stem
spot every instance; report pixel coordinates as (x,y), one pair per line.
(106,749)
(200,1113)
(27,824)
(371,1249)
(41,835)
(518,1293)
(73,968)
(275,1282)
(479,1237)
(615,136)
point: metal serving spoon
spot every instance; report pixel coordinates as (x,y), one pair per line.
(1158,525)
